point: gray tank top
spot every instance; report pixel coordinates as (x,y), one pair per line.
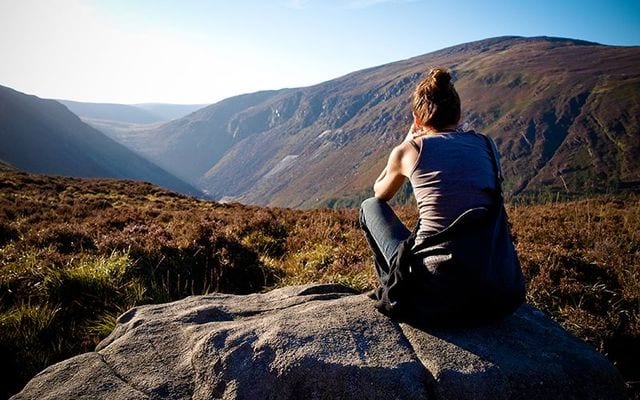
(453,173)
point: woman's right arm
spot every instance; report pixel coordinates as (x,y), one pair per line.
(399,165)
(391,178)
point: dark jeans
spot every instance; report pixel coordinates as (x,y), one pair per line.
(384,232)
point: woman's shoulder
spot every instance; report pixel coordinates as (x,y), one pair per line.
(441,145)
(406,154)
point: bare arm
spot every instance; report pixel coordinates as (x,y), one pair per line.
(401,161)
(390,180)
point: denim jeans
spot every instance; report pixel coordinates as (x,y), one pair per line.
(384,232)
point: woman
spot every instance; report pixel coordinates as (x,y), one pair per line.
(459,262)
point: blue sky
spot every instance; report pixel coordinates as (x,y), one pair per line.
(190,51)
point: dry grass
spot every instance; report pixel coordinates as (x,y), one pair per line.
(74,254)
(582,261)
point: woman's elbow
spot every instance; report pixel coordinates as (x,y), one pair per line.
(381,193)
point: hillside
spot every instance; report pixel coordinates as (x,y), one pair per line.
(74,254)
(43,136)
(189,146)
(564,113)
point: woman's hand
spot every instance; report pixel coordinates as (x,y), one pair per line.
(415,131)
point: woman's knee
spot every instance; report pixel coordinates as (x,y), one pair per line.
(372,202)
(374,209)
(367,207)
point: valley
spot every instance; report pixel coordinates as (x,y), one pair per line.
(562,128)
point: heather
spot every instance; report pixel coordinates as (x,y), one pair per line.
(74,254)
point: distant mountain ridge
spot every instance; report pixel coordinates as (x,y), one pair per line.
(120,121)
(168,111)
(111,112)
(43,136)
(145,113)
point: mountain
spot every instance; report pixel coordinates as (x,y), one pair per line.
(190,146)
(564,113)
(43,136)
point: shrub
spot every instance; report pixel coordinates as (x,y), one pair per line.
(30,340)
(74,254)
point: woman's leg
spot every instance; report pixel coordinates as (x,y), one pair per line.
(384,232)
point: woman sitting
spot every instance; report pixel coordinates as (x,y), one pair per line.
(459,264)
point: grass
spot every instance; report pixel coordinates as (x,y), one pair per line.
(75,254)
(582,261)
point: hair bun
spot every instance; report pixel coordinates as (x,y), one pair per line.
(435,101)
(440,78)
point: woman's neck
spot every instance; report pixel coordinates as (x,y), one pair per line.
(427,130)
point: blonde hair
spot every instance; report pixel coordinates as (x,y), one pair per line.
(435,101)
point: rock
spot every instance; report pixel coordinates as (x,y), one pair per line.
(324,342)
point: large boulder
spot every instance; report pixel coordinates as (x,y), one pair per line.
(324,342)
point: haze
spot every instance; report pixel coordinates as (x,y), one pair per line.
(199,52)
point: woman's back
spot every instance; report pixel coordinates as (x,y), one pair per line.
(453,173)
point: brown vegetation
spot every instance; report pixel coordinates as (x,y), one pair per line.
(74,254)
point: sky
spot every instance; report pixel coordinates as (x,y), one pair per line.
(199,52)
